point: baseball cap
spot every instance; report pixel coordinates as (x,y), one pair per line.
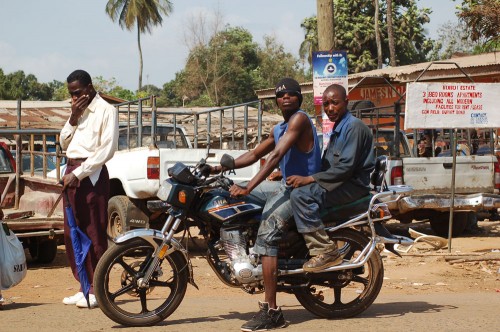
(289,85)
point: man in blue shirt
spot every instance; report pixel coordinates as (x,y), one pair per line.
(344,178)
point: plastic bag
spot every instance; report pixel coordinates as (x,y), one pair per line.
(13,267)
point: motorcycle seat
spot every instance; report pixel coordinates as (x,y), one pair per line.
(343,212)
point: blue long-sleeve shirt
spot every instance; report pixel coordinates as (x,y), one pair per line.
(349,156)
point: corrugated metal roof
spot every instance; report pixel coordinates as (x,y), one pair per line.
(40,114)
(34,114)
(475,66)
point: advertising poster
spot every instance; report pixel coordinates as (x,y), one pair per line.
(329,67)
(452,105)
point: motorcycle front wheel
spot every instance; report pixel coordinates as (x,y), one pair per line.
(116,284)
(344,293)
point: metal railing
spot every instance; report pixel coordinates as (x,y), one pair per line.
(203,127)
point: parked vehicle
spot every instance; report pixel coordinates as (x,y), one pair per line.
(477,180)
(27,197)
(37,163)
(142,278)
(149,149)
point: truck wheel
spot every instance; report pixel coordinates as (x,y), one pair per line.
(43,250)
(439,223)
(117,216)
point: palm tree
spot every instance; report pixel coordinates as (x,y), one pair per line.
(145,14)
(310,43)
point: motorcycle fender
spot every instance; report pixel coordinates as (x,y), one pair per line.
(150,235)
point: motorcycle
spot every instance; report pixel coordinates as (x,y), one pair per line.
(142,278)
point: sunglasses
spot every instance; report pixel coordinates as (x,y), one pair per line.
(280,94)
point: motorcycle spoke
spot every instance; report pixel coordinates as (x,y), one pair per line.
(168,283)
(127,267)
(337,295)
(361,280)
(144,307)
(122,291)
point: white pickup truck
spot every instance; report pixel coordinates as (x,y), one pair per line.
(141,163)
(477,184)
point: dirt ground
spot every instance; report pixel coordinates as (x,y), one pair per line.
(427,289)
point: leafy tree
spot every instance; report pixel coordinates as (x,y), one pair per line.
(482,22)
(452,39)
(19,85)
(173,91)
(144,14)
(222,68)
(151,89)
(310,43)
(110,87)
(275,63)
(228,68)
(59,90)
(355,32)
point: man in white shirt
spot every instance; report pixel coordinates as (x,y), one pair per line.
(90,138)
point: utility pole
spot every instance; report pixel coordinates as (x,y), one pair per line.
(324,15)
(325,24)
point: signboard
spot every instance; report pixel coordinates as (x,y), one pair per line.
(452,105)
(329,67)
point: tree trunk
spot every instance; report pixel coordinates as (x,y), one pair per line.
(324,14)
(140,57)
(377,35)
(390,35)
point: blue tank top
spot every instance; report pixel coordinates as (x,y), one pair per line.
(296,162)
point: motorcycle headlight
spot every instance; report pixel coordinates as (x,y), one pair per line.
(164,190)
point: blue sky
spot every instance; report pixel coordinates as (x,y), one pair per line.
(52,38)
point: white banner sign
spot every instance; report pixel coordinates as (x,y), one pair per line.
(452,105)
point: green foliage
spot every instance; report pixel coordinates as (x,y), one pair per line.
(482,21)
(143,14)
(60,91)
(453,38)
(228,69)
(18,85)
(110,87)
(355,32)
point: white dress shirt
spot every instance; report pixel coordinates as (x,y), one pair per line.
(95,137)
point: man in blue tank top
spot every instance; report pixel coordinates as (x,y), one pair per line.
(294,145)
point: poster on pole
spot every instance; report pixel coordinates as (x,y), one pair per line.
(452,105)
(329,67)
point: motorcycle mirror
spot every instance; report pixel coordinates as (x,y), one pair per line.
(227,161)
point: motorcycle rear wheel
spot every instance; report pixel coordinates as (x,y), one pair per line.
(116,287)
(350,296)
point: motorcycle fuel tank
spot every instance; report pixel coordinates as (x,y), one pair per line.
(225,208)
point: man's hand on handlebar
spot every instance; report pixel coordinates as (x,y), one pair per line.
(237,191)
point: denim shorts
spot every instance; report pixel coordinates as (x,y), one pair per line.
(276,216)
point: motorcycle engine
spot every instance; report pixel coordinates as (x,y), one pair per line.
(244,266)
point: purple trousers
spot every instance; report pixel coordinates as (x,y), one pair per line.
(90,206)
